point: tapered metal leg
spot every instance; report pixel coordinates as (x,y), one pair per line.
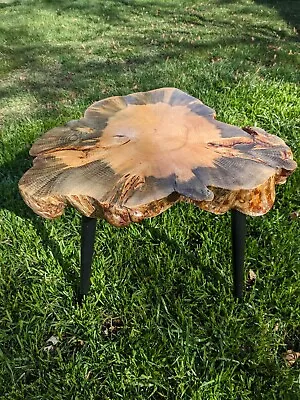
(238,230)
(88,230)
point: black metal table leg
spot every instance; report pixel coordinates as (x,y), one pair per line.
(88,230)
(238,230)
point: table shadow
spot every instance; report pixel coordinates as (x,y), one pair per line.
(11,200)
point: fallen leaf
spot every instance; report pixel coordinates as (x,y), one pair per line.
(111,326)
(53,340)
(295,215)
(291,357)
(216,59)
(275,48)
(73,341)
(251,279)
(87,376)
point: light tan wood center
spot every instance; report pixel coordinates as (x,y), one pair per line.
(158,140)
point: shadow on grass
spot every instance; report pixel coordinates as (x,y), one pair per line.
(64,73)
(11,200)
(9,3)
(289,10)
(113,12)
(195,240)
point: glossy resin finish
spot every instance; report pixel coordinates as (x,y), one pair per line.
(132,157)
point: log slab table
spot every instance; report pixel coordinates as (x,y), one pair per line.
(132,157)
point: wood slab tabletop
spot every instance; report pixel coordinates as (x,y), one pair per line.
(132,157)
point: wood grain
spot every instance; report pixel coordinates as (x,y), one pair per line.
(132,157)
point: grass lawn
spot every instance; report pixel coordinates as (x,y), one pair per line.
(160,321)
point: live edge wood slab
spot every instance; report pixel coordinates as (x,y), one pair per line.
(132,157)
